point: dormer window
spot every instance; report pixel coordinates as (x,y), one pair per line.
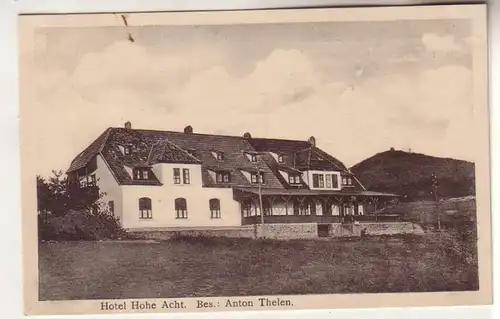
(294,179)
(347,181)
(280,159)
(222,177)
(255,180)
(127,150)
(218,155)
(141,173)
(252,157)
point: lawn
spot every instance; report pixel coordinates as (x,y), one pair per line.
(237,267)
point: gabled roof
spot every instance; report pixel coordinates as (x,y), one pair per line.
(165,152)
(82,159)
(150,147)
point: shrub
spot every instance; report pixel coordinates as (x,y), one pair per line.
(81,225)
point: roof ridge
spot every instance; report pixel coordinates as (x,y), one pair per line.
(208,134)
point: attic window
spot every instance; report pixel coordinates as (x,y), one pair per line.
(218,155)
(346,181)
(255,180)
(280,159)
(294,179)
(127,149)
(141,173)
(222,177)
(252,157)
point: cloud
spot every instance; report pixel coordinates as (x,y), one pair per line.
(283,96)
(436,43)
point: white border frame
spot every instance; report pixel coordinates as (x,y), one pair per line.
(11,294)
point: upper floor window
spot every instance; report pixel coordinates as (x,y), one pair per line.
(177,175)
(280,159)
(223,177)
(214,205)
(335,181)
(145,209)
(141,173)
(185,175)
(92,180)
(89,180)
(127,149)
(181,208)
(318,181)
(294,179)
(255,180)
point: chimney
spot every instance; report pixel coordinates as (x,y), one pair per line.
(312,141)
(247,135)
(188,129)
(392,149)
(128,125)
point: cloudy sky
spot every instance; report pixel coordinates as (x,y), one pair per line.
(358,87)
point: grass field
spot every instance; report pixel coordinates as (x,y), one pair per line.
(230,267)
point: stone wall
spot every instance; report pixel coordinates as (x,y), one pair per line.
(289,231)
(164,234)
(284,231)
(374,229)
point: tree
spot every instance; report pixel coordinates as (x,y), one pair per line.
(56,196)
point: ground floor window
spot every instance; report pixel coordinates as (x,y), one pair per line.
(181,208)
(145,208)
(214,205)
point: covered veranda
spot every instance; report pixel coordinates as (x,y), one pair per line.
(311,206)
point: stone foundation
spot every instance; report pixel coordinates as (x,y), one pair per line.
(284,231)
(167,233)
(289,231)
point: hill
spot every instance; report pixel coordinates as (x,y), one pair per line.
(410,175)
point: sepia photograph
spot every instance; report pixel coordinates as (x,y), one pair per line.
(287,159)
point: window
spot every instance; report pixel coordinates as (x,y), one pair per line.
(91,180)
(185,175)
(321,181)
(254,180)
(219,156)
(280,159)
(127,150)
(111,206)
(253,158)
(177,175)
(145,211)
(328,181)
(346,181)
(141,173)
(214,204)
(294,179)
(222,177)
(246,206)
(335,181)
(181,208)
(315,180)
